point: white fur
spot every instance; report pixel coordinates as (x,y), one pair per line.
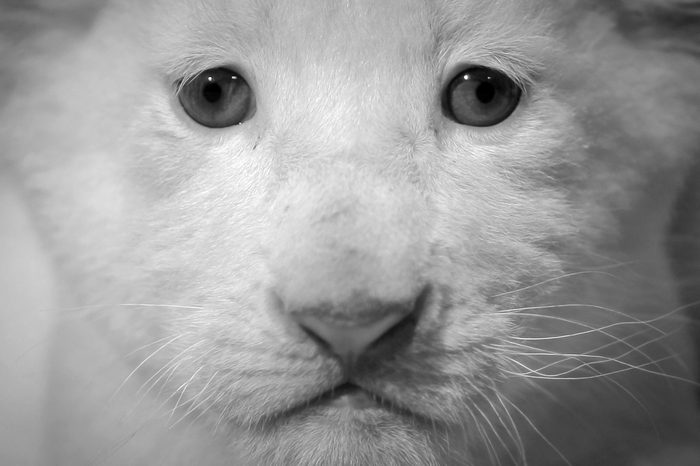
(172,239)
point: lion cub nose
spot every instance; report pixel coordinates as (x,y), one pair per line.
(351,337)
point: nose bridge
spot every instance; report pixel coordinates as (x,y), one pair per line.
(342,235)
(340,118)
(338,103)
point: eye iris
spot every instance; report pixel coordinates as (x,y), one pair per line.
(480,96)
(217,98)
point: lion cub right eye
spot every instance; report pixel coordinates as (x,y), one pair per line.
(480,96)
(217,98)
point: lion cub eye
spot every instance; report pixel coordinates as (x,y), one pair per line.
(480,96)
(217,98)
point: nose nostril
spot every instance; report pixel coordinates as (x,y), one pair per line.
(399,332)
(320,341)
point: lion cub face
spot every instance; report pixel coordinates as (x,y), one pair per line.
(372,232)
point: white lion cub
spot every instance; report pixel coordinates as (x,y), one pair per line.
(357,232)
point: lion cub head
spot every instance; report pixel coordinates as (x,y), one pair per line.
(357,232)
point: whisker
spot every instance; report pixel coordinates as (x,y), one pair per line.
(128,377)
(194,398)
(632,321)
(93,307)
(211,404)
(222,414)
(538,431)
(620,386)
(602,330)
(515,433)
(492,427)
(535,374)
(554,279)
(497,412)
(147,345)
(163,370)
(160,306)
(486,439)
(181,390)
(615,341)
(588,354)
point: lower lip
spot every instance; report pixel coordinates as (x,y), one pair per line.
(347,405)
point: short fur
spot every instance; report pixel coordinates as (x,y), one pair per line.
(553,331)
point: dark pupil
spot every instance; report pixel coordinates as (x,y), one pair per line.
(485,92)
(212,92)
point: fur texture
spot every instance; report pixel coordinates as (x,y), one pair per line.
(551,330)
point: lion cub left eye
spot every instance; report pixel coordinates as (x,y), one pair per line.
(217,98)
(480,96)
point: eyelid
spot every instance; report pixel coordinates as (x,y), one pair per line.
(524,81)
(187,74)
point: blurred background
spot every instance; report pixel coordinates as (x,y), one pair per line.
(25,297)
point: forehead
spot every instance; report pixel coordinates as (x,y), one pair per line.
(349,31)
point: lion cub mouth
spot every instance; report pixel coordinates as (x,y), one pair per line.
(350,396)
